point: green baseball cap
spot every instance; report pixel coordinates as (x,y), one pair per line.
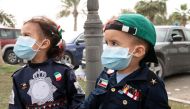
(139,26)
(144,28)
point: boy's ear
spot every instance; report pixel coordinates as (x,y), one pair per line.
(45,44)
(139,51)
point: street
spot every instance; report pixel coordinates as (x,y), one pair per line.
(177,86)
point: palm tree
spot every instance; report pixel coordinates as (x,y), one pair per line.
(6,19)
(70,7)
(174,18)
(183,14)
(160,20)
(124,11)
(151,8)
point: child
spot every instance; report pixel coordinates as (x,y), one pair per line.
(130,84)
(43,83)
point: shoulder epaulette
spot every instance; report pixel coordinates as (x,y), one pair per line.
(152,78)
(108,72)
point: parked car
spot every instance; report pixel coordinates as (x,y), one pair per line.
(7,40)
(172,49)
(74,48)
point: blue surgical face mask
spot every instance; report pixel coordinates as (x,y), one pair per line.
(116,58)
(23,48)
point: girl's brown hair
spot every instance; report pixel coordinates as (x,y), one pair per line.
(50,31)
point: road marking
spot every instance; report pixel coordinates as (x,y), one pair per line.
(185,87)
(169,93)
(177,89)
(179,100)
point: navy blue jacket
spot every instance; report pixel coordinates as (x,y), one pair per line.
(141,89)
(47,85)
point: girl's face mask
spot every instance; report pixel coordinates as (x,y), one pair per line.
(116,58)
(23,47)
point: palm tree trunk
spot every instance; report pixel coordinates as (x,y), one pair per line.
(75,23)
(75,15)
(184,20)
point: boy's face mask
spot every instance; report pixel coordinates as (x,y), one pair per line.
(23,47)
(116,58)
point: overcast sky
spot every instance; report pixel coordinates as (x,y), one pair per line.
(25,9)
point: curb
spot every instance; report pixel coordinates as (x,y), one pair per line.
(179,100)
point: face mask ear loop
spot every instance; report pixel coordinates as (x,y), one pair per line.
(132,53)
(39,45)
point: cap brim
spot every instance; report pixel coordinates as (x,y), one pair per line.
(151,56)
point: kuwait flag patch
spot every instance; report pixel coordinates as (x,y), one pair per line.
(58,76)
(103,83)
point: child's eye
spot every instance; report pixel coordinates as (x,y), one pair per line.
(111,43)
(23,34)
(26,34)
(114,43)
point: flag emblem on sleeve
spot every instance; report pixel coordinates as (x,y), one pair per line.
(58,76)
(103,83)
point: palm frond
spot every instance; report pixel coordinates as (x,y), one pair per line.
(7,19)
(67,3)
(70,7)
(151,8)
(63,13)
(74,2)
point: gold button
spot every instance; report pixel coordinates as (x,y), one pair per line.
(125,102)
(113,89)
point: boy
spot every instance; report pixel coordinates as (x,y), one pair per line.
(130,84)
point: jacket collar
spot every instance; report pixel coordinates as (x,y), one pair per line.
(49,61)
(138,75)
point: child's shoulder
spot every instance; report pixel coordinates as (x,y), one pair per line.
(65,65)
(108,71)
(149,76)
(64,68)
(153,78)
(156,93)
(154,83)
(18,71)
(106,74)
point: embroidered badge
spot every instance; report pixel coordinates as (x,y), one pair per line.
(103,83)
(153,81)
(58,76)
(131,92)
(24,86)
(41,88)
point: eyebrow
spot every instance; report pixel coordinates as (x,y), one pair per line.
(25,33)
(113,40)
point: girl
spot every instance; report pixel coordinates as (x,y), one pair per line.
(43,83)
